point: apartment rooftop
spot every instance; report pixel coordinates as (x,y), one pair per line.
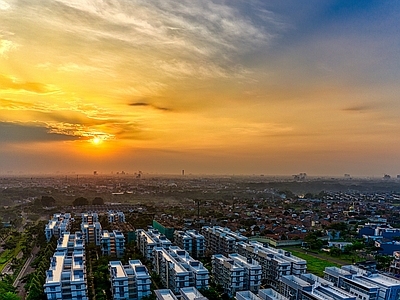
(139,269)
(191,293)
(337,271)
(53,275)
(382,280)
(246,295)
(335,292)
(168,257)
(296,280)
(361,280)
(241,260)
(165,294)
(270,294)
(117,270)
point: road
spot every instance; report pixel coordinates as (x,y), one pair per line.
(26,269)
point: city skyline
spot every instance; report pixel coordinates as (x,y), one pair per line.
(211,87)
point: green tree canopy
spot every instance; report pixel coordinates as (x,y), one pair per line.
(80,201)
(47,201)
(98,201)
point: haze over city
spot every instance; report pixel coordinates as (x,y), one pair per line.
(217,87)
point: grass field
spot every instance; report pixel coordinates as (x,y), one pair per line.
(8,254)
(315,265)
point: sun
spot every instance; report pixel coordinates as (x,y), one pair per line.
(96,140)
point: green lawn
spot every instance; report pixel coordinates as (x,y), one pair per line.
(314,265)
(8,255)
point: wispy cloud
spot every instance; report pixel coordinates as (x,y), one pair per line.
(26,133)
(14,84)
(357,108)
(4,5)
(6,46)
(72,67)
(144,104)
(192,38)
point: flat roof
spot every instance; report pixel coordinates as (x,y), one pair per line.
(362,280)
(296,280)
(119,269)
(191,293)
(58,258)
(165,294)
(383,280)
(177,266)
(271,294)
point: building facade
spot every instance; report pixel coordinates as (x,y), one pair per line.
(130,281)
(91,232)
(112,243)
(275,263)
(66,276)
(221,240)
(58,225)
(190,241)
(147,240)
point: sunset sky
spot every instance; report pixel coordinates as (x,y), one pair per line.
(212,87)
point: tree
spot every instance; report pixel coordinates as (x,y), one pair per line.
(9,296)
(98,201)
(336,252)
(312,241)
(47,201)
(80,201)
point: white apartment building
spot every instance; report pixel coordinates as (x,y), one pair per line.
(148,240)
(191,293)
(131,281)
(118,216)
(66,276)
(190,241)
(275,263)
(90,218)
(311,287)
(264,294)
(221,240)
(58,224)
(173,273)
(252,272)
(362,284)
(91,233)
(270,294)
(165,294)
(200,274)
(228,274)
(112,243)
(246,295)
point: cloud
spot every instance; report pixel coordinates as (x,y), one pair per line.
(187,38)
(25,133)
(144,104)
(6,46)
(13,84)
(357,108)
(4,5)
(72,67)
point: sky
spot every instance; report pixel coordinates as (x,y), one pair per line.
(206,86)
